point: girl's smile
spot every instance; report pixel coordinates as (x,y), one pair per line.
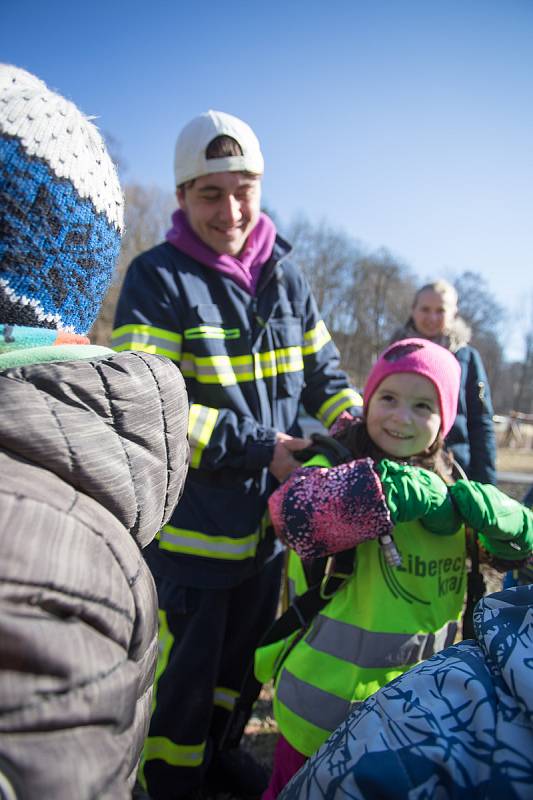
(403,416)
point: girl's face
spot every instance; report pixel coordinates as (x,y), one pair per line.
(403,416)
(433,313)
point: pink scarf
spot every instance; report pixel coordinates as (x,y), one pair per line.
(244,270)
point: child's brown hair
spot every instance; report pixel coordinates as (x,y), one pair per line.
(356,439)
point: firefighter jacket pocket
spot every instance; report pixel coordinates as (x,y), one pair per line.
(287,338)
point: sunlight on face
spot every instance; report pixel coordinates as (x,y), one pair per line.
(222,209)
(403,416)
(433,313)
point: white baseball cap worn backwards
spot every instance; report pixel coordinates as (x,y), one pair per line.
(190,160)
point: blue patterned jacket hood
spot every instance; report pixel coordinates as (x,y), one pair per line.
(459,725)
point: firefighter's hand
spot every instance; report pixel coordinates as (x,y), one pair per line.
(283,462)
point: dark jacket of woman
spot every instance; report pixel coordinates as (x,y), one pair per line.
(472,439)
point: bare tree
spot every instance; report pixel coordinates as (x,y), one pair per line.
(326,256)
(477,304)
(147,217)
(486,318)
(379,295)
(362,296)
(523,386)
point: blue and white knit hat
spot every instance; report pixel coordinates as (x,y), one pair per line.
(61,209)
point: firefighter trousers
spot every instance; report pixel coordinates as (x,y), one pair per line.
(207,639)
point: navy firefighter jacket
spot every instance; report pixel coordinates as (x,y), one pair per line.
(247,363)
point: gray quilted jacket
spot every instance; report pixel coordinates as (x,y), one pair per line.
(93,456)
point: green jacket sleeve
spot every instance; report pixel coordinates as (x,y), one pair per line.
(416,493)
(505,526)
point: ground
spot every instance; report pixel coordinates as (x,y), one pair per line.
(260,734)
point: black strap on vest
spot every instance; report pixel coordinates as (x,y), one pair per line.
(336,570)
(325,445)
(475,582)
(475,587)
(298,616)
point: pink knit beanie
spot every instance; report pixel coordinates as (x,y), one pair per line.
(423,358)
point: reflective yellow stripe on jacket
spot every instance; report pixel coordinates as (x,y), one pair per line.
(160,747)
(148,340)
(225,697)
(177,755)
(211,332)
(202,421)
(194,543)
(335,405)
(315,339)
(165,640)
(222,369)
(229,370)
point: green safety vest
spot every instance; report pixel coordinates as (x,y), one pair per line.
(380,623)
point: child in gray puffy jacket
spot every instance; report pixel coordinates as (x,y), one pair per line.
(93,455)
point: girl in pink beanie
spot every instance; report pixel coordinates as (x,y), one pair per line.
(378,502)
(428,360)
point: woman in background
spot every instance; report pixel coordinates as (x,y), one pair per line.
(472,439)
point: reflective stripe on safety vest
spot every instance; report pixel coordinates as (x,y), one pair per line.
(330,410)
(225,697)
(324,709)
(295,576)
(147,339)
(316,338)
(379,624)
(177,755)
(202,421)
(372,650)
(194,543)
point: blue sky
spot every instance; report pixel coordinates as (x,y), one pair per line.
(407,125)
